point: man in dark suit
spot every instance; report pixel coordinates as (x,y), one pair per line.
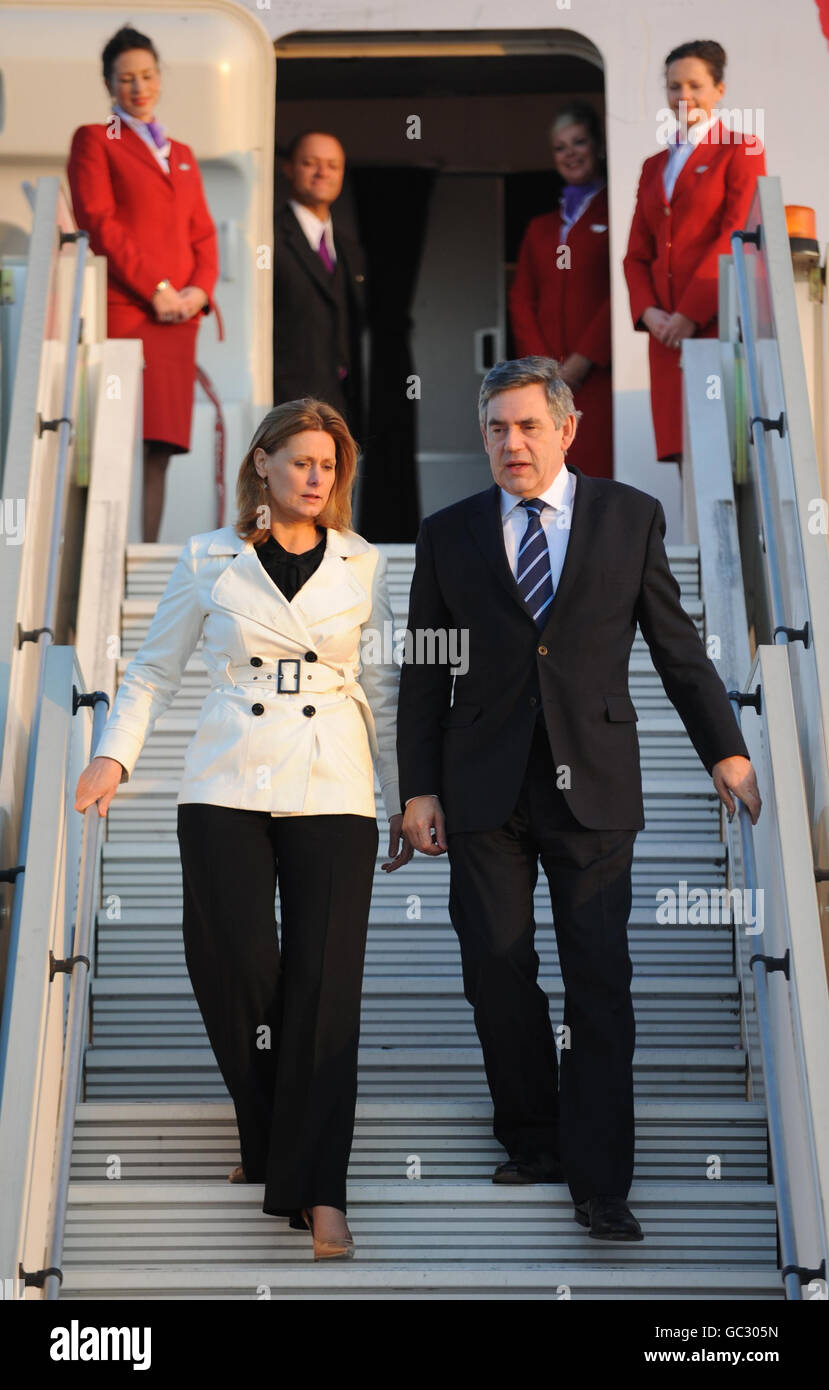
(547,573)
(319,285)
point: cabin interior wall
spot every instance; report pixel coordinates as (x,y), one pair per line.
(493,171)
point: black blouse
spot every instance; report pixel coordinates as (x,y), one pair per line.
(289,572)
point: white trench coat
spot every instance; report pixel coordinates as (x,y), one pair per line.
(309,749)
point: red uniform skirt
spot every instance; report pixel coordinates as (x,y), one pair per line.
(666,395)
(592,448)
(169,371)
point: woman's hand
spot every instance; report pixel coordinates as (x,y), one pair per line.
(656,321)
(399,845)
(98,782)
(192,301)
(574,369)
(677,328)
(167,304)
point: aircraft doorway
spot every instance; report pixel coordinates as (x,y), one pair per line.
(448,158)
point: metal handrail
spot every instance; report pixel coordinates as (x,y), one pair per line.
(74,1040)
(785,1213)
(46,633)
(794,1274)
(738,241)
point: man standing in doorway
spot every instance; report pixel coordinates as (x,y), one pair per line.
(319,284)
(534,753)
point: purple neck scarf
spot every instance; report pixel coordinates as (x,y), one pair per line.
(156,129)
(157,132)
(575,195)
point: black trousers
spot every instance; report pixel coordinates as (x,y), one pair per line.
(585,1118)
(283,1017)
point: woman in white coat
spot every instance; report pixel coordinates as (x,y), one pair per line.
(278,787)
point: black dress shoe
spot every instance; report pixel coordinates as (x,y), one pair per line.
(520,1170)
(609,1218)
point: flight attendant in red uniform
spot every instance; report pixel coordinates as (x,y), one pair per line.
(692,196)
(140,197)
(560,297)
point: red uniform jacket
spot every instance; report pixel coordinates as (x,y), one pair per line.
(149,225)
(556,310)
(674,248)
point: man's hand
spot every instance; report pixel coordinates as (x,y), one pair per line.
(737,775)
(400,848)
(424,816)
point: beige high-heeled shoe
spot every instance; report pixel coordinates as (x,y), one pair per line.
(237,1175)
(329,1249)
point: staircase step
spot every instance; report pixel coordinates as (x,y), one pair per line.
(395,1072)
(670,1011)
(675,1141)
(458,1280)
(686,1226)
(148,943)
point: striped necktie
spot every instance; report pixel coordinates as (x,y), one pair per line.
(534,577)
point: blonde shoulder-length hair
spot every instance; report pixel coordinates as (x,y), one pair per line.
(278,426)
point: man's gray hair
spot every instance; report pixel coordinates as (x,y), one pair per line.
(526,371)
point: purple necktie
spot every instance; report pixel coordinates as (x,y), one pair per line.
(325,255)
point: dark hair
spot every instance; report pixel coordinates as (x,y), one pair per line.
(293,144)
(122,42)
(711,53)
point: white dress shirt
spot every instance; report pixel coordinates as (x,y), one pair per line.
(314,229)
(555,519)
(679,154)
(161,152)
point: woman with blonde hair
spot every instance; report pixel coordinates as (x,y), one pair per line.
(278,788)
(560,296)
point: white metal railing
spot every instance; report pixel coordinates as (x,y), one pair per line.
(63,317)
(115,387)
(709,509)
(784,470)
(785,1023)
(43,1062)
(36,485)
(782,973)
(63,366)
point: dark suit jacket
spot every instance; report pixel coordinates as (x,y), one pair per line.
(615,574)
(310,334)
